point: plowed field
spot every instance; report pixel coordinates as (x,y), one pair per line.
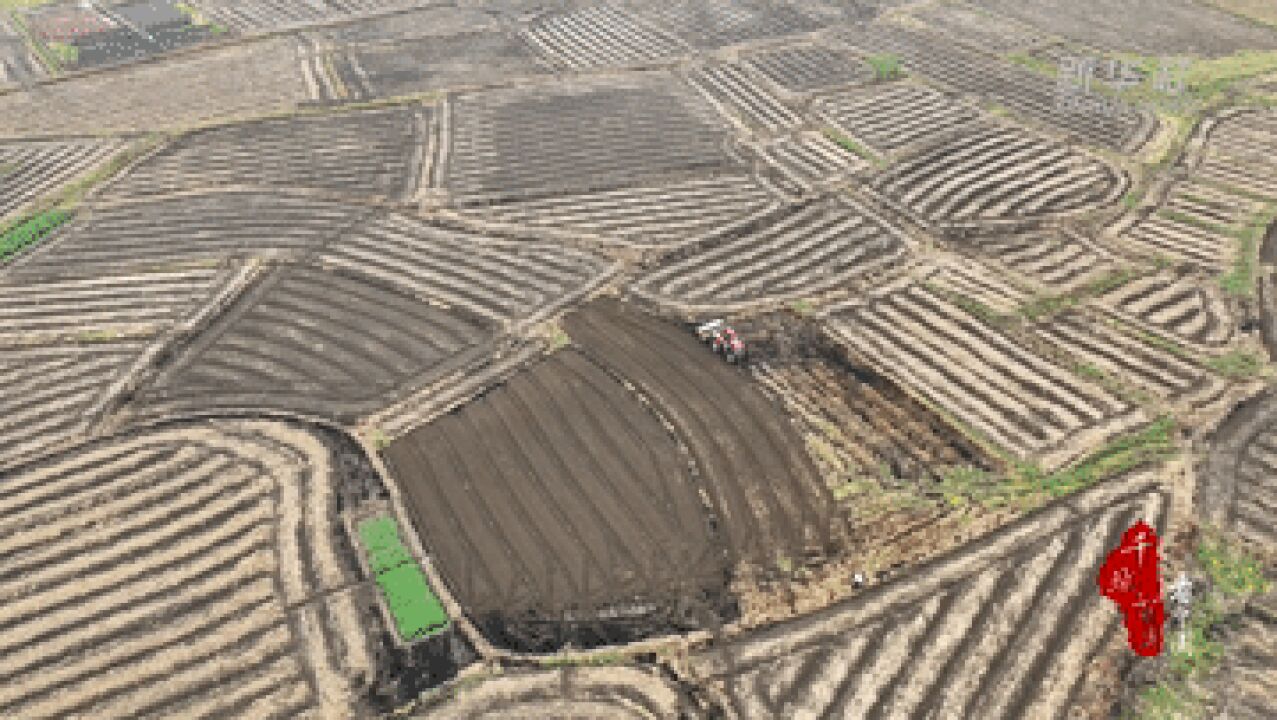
(557,495)
(188,572)
(283,346)
(1002,628)
(768,498)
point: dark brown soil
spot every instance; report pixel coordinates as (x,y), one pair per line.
(560,510)
(763,487)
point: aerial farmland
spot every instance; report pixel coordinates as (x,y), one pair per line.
(665,359)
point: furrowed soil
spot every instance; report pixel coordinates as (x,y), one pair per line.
(769,499)
(560,510)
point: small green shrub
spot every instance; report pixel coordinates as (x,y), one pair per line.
(65,53)
(886,66)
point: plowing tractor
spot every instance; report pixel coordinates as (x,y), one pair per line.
(723,340)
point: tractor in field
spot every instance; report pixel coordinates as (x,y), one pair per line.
(723,340)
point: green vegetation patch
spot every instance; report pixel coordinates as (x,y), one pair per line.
(1237,364)
(802,308)
(30,231)
(20,4)
(1041,66)
(885,65)
(65,53)
(1239,281)
(417,611)
(1235,576)
(1045,306)
(1232,570)
(1027,484)
(381,541)
(853,147)
(600,659)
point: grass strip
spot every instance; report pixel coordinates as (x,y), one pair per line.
(853,147)
(417,611)
(1041,66)
(1027,484)
(1042,307)
(1239,281)
(1237,365)
(28,232)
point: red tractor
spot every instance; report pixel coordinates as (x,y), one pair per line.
(728,344)
(723,340)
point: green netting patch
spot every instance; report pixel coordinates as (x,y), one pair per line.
(417,611)
(381,541)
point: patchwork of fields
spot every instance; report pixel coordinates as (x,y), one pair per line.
(349,361)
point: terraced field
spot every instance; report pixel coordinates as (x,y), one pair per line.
(1237,491)
(192,571)
(1251,673)
(998,174)
(1058,259)
(251,17)
(376,154)
(1182,306)
(558,493)
(482,57)
(597,37)
(31,170)
(812,160)
(707,24)
(238,80)
(890,117)
(656,215)
(612,693)
(1002,628)
(1224,186)
(212,226)
(503,281)
(765,494)
(437,21)
(868,424)
(1100,348)
(1239,154)
(742,99)
(460,237)
(1022,402)
(973,282)
(799,251)
(972,72)
(1153,27)
(805,68)
(48,393)
(284,345)
(977,27)
(131,305)
(580,145)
